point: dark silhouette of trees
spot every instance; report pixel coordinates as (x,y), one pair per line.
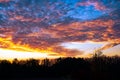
(96,68)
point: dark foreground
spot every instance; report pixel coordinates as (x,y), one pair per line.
(96,68)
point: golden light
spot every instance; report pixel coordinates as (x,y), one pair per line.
(9,50)
(22,55)
(11,54)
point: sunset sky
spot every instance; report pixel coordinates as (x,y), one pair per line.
(58,28)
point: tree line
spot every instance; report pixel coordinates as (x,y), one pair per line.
(95,68)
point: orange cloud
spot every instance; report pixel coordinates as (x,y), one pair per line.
(107,46)
(24,19)
(48,39)
(82,31)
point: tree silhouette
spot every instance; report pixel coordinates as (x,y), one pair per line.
(97,53)
(95,68)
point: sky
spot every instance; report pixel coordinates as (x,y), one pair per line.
(58,28)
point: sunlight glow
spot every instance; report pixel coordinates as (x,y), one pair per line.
(9,50)
(12,54)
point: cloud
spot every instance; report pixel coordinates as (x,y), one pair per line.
(97,5)
(4,0)
(51,37)
(82,31)
(44,25)
(107,46)
(67,52)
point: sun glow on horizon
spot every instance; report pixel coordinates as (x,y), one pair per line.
(6,54)
(9,51)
